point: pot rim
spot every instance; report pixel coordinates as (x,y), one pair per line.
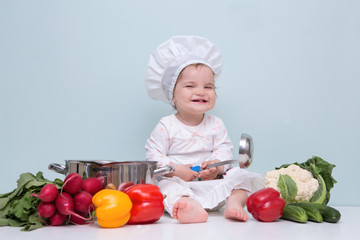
(108,162)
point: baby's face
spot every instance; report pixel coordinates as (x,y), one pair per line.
(195,91)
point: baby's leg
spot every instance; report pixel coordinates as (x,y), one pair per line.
(235,205)
(187,210)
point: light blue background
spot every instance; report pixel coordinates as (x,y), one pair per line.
(72,80)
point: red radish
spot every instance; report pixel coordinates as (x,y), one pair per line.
(48,193)
(80,221)
(82,201)
(46,210)
(57,219)
(76,220)
(72,183)
(92,185)
(65,205)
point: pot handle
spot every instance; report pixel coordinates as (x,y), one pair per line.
(164,170)
(59,168)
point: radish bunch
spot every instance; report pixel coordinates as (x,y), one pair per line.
(72,204)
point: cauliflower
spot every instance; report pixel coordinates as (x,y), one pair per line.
(307,185)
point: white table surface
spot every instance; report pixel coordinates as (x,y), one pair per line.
(217,227)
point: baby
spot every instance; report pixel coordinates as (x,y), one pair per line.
(182,72)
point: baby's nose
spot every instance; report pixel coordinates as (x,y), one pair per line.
(199,91)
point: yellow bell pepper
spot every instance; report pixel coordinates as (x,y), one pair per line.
(112,208)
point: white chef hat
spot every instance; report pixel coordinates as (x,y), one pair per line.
(171,57)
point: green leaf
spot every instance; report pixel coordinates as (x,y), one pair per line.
(320,195)
(3,202)
(288,188)
(4,195)
(4,221)
(17,192)
(58,183)
(324,169)
(33,223)
(33,184)
(23,207)
(4,212)
(16,223)
(25,178)
(40,176)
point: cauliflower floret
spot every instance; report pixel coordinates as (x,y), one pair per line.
(307,185)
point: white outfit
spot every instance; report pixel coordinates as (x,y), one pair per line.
(173,142)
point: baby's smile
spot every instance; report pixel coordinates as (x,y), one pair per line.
(200,100)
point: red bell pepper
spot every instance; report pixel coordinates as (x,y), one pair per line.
(147,202)
(265,205)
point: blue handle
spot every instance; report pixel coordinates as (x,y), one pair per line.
(196,168)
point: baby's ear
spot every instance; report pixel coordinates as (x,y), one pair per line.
(173,103)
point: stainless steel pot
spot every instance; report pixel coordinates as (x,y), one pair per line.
(113,172)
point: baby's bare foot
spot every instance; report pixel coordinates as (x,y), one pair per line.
(187,210)
(236,213)
(235,206)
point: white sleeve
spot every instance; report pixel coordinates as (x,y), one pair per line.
(157,146)
(223,146)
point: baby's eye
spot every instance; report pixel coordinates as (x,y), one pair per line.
(209,87)
(189,86)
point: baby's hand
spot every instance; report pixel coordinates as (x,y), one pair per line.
(211,173)
(185,173)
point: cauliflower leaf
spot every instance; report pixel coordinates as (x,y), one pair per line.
(288,188)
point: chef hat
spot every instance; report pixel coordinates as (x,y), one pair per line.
(171,57)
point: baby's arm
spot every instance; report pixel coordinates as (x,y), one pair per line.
(156,150)
(222,150)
